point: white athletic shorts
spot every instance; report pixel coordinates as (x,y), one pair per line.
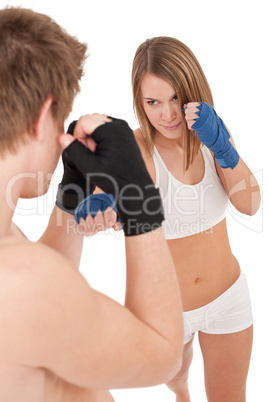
(230,312)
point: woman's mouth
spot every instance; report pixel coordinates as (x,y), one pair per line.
(171,128)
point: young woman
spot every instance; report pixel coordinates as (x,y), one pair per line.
(167,79)
(191,157)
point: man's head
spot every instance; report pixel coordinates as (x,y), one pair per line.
(38,61)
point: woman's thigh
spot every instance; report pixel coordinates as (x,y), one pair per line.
(226,363)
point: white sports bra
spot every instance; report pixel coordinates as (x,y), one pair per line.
(190,209)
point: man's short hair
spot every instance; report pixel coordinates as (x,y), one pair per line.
(38,59)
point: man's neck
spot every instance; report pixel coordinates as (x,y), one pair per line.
(11,184)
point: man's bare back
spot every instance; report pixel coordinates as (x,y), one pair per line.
(20,381)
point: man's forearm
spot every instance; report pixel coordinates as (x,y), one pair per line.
(152,290)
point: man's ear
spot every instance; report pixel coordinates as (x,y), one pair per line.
(39,127)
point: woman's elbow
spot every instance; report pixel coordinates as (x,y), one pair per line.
(256,202)
(249,207)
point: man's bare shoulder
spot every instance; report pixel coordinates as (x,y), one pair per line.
(33,272)
(31,267)
(13,251)
(14,230)
(36,286)
(27,264)
(24,255)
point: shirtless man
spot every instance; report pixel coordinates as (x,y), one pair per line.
(60,340)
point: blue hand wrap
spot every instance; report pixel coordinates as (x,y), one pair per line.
(212,132)
(94,203)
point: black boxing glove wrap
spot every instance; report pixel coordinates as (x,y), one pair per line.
(74,187)
(117,167)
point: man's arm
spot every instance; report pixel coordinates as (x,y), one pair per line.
(64,235)
(87,338)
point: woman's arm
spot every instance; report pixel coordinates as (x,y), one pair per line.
(241,186)
(239,182)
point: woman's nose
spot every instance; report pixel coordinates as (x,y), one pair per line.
(168,113)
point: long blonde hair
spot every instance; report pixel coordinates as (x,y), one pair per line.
(173,61)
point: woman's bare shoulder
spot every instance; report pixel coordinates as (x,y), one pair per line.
(147,157)
(139,137)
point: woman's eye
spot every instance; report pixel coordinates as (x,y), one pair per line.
(175,98)
(152,102)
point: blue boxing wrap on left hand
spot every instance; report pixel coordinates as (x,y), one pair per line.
(94,203)
(212,132)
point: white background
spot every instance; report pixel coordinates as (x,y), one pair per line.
(230,40)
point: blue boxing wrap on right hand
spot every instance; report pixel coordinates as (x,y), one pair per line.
(212,132)
(94,203)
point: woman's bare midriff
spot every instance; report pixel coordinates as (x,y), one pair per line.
(205,265)
(204,262)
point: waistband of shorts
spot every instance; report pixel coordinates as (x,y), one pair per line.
(220,300)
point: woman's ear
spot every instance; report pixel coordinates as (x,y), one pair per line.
(39,127)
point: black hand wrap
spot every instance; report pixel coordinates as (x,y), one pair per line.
(74,187)
(117,168)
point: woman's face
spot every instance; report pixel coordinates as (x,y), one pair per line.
(162,106)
